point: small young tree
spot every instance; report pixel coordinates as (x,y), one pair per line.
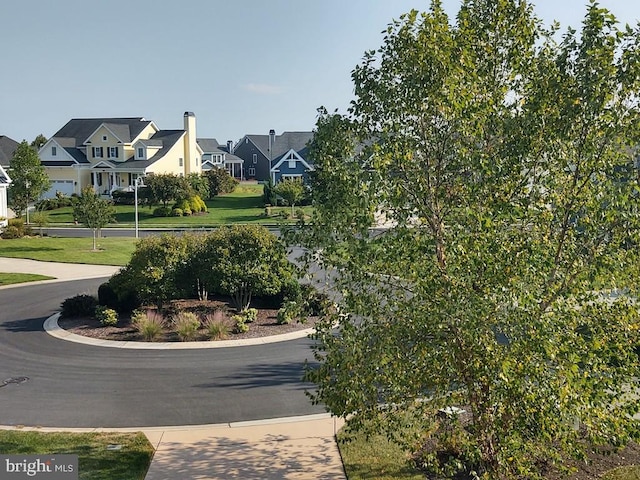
(292,190)
(94,212)
(29,178)
(41,219)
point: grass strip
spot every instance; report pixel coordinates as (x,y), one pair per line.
(95,461)
(11,278)
(111,251)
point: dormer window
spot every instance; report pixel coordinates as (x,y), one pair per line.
(54,151)
(292,160)
(140,152)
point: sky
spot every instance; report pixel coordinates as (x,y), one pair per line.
(242,66)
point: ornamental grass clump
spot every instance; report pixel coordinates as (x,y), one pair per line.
(186,325)
(215,325)
(149,324)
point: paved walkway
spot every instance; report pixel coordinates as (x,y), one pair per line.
(286,448)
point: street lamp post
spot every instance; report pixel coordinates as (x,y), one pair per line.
(138,182)
(27,184)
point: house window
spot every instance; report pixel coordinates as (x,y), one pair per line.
(255,158)
(97,152)
(54,151)
(140,152)
(113,152)
(252,172)
(292,160)
(180,162)
(291,177)
(104,138)
(197,160)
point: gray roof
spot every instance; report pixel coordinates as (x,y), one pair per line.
(164,138)
(211,145)
(79,129)
(208,145)
(296,141)
(7,147)
(77,154)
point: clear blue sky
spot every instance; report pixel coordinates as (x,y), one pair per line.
(242,66)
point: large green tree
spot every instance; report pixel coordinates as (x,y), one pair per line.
(93,211)
(29,178)
(503,282)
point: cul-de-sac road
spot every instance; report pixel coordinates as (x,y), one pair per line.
(76,385)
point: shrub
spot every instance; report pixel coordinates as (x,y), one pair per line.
(177,212)
(11,232)
(149,324)
(16,229)
(186,325)
(79,306)
(289,312)
(123,197)
(216,328)
(107,296)
(250,315)
(107,317)
(240,324)
(161,212)
(187,212)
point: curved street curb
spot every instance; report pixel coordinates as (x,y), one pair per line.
(52,328)
(179,428)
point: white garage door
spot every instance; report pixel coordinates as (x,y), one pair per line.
(63,186)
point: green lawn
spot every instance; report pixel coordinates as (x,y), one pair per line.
(375,458)
(244,205)
(95,460)
(11,278)
(112,251)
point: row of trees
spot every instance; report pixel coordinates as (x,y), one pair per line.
(503,162)
(239,261)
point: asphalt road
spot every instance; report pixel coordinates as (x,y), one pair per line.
(75,385)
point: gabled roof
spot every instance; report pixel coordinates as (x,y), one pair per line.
(80,129)
(299,158)
(7,147)
(4,178)
(296,141)
(163,138)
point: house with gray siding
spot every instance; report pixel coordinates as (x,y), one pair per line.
(275,156)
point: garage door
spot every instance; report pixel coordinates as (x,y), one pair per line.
(62,186)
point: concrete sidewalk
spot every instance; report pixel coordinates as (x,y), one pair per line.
(59,271)
(288,448)
(293,448)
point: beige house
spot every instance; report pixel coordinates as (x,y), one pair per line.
(4,184)
(110,153)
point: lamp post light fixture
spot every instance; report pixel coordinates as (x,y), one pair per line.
(138,182)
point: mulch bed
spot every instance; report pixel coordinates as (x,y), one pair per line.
(265,325)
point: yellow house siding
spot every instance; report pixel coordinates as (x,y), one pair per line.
(170,163)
